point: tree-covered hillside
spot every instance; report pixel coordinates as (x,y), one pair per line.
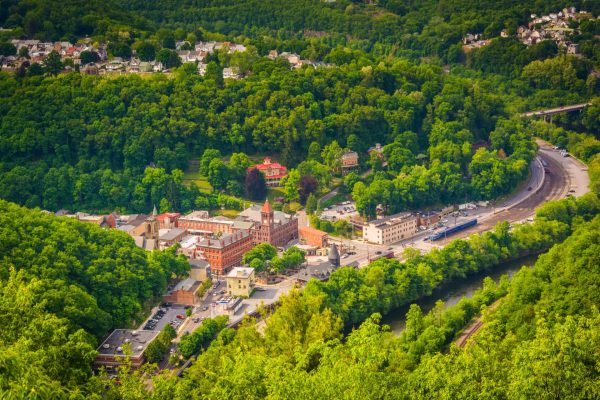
(63,285)
(85,141)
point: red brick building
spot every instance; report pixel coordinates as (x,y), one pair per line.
(200,223)
(274,227)
(168,220)
(184,292)
(312,236)
(225,252)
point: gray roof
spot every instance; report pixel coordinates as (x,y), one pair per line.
(224,240)
(138,341)
(333,253)
(253,214)
(186,284)
(172,234)
(400,217)
(146,244)
(240,272)
(238,224)
(199,264)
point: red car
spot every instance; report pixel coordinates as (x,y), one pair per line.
(181,316)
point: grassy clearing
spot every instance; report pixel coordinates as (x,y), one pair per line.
(229,213)
(199,180)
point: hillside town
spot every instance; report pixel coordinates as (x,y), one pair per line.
(557,26)
(97,60)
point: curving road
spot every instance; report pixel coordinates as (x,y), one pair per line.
(564,174)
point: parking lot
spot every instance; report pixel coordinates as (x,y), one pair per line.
(159,319)
(345,210)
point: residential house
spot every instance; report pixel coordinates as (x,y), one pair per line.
(349,161)
(272,171)
(231,73)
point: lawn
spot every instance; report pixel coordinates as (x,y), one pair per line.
(199,180)
(229,213)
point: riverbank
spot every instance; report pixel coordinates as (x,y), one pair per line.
(451,293)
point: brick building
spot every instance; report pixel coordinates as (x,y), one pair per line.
(200,223)
(312,236)
(349,161)
(184,292)
(168,237)
(111,352)
(224,252)
(168,220)
(274,227)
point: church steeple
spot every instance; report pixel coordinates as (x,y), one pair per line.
(152,226)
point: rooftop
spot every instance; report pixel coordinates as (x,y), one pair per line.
(240,272)
(137,340)
(171,234)
(199,264)
(392,219)
(253,214)
(223,241)
(189,284)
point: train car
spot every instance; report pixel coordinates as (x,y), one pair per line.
(449,231)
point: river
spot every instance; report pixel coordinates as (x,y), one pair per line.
(454,291)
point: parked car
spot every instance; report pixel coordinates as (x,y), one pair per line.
(180,316)
(205,308)
(195,320)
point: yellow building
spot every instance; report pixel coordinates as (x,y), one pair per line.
(240,281)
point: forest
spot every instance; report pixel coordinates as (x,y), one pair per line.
(104,144)
(396,75)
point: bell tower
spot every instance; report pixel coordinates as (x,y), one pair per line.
(152,226)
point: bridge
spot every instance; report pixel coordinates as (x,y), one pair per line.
(549,112)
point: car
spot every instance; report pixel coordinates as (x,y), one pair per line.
(378,252)
(180,316)
(205,308)
(326,209)
(571,190)
(346,255)
(222,291)
(259,289)
(195,320)
(529,219)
